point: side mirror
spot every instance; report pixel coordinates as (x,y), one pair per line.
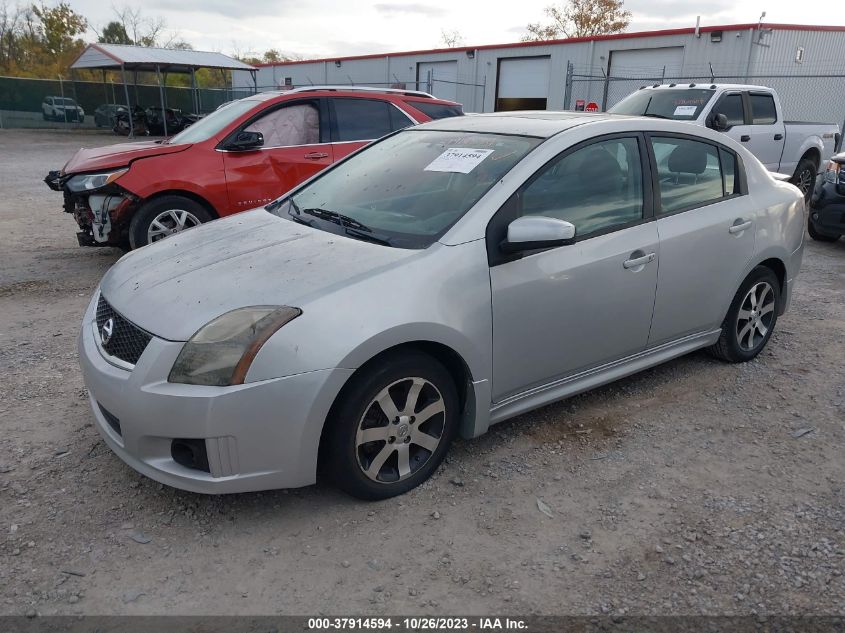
(245,141)
(532,232)
(720,122)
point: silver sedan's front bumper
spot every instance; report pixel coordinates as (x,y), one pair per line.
(257,436)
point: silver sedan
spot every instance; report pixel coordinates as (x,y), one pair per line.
(443,279)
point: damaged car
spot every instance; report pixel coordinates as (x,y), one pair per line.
(244,154)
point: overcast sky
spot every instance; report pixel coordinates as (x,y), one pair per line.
(325,28)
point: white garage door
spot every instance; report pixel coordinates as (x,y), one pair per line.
(642,66)
(523,83)
(443,78)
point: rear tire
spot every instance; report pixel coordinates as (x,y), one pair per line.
(165,216)
(805,177)
(818,236)
(376,451)
(751,319)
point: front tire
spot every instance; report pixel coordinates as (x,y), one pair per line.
(391,426)
(805,177)
(751,319)
(163,217)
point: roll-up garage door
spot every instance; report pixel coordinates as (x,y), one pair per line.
(444,76)
(630,69)
(523,83)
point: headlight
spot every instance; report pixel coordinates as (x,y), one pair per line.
(90,182)
(834,172)
(221,351)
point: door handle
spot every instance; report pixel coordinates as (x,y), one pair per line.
(745,138)
(636,262)
(316,155)
(739,226)
(778,137)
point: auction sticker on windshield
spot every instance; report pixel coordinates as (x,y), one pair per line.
(685,110)
(461,160)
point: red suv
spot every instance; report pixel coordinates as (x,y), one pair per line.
(243,155)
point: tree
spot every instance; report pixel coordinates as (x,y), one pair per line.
(451,38)
(59,26)
(114,33)
(581,18)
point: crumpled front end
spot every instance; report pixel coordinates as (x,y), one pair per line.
(102,214)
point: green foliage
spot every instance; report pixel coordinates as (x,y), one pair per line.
(114,33)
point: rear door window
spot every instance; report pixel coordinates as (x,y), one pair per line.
(365,119)
(436,111)
(763,109)
(690,173)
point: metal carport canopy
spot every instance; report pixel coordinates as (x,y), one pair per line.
(141,58)
(124,57)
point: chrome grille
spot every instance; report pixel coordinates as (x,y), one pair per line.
(127,341)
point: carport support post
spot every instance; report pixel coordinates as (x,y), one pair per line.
(161,96)
(128,105)
(194,95)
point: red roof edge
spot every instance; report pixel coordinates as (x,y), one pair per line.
(571,40)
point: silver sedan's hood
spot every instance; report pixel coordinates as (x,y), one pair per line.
(174,287)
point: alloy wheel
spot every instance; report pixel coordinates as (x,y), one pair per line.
(169,222)
(805,181)
(400,430)
(755,316)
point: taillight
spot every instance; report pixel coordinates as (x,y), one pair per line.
(834,172)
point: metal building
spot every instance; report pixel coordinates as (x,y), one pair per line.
(802,62)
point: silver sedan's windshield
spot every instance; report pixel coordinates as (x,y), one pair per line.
(407,190)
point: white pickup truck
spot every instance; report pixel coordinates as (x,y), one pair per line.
(751,115)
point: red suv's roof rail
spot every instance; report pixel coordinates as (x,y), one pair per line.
(407,93)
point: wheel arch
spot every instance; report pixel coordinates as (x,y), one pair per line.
(185,194)
(446,355)
(814,154)
(778,267)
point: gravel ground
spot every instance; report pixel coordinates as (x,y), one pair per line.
(694,488)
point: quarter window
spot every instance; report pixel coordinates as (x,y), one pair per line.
(763,109)
(597,187)
(731,106)
(690,173)
(729,168)
(366,119)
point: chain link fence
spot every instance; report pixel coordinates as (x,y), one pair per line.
(816,94)
(23,101)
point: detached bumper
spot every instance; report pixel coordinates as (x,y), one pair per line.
(827,208)
(257,436)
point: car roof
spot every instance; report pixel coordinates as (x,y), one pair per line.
(413,96)
(704,85)
(539,123)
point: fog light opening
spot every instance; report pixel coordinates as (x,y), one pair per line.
(190,453)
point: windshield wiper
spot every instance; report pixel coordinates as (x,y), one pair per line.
(337,218)
(656,116)
(292,207)
(368,237)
